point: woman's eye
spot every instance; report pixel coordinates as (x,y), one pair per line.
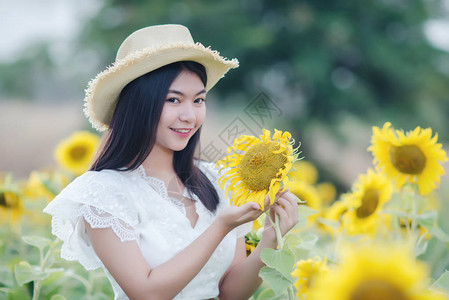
(200,100)
(173,100)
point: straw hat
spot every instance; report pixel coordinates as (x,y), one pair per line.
(143,51)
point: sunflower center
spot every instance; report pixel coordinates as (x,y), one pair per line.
(408,159)
(3,200)
(260,165)
(78,152)
(9,200)
(370,201)
(377,289)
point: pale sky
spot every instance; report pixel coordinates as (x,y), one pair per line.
(23,22)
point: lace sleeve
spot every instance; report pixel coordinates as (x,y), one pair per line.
(103,200)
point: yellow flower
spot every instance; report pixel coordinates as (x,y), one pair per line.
(327,192)
(37,186)
(334,213)
(251,241)
(373,272)
(306,192)
(413,157)
(370,192)
(306,271)
(304,171)
(260,169)
(75,153)
(249,248)
(11,205)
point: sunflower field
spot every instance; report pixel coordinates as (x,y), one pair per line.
(386,237)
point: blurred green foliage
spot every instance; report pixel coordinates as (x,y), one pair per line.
(319,61)
(367,58)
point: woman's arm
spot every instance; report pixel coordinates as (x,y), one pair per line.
(242,279)
(125,261)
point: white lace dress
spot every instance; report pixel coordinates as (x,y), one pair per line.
(137,207)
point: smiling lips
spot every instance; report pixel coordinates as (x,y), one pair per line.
(182,131)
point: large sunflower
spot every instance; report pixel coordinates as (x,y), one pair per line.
(373,273)
(306,271)
(413,157)
(259,169)
(370,192)
(75,153)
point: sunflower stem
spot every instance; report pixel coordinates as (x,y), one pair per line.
(414,225)
(290,293)
(278,231)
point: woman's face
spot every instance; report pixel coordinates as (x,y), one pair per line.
(183,112)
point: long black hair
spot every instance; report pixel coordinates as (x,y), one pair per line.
(132,131)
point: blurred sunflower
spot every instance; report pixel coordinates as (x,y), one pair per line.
(251,241)
(374,272)
(75,153)
(306,193)
(412,157)
(334,213)
(306,271)
(11,205)
(260,170)
(304,171)
(37,186)
(327,192)
(370,192)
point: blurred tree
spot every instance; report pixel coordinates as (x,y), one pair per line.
(321,60)
(370,58)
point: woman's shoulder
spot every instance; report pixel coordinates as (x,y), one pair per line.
(107,180)
(108,190)
(103,175)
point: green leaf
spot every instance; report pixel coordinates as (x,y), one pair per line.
(292,240)
(282,260)
(268,294)
(101,296)
(439,234)
(421,248)
(305,211)
(24,272)
(398,213)
(308,241)
(275,279)
(58,297)
(37,241)
(442,283)
(6,277)
(427,219)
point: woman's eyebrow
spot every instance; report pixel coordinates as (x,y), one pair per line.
(180,93)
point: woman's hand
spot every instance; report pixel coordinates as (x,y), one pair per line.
(286,207)
(234,216)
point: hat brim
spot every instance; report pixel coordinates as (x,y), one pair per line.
(103,91)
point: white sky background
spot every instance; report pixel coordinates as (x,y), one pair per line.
(24,22)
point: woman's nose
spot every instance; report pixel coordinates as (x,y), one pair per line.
(187,113)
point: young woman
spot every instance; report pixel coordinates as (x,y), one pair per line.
(149,213)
